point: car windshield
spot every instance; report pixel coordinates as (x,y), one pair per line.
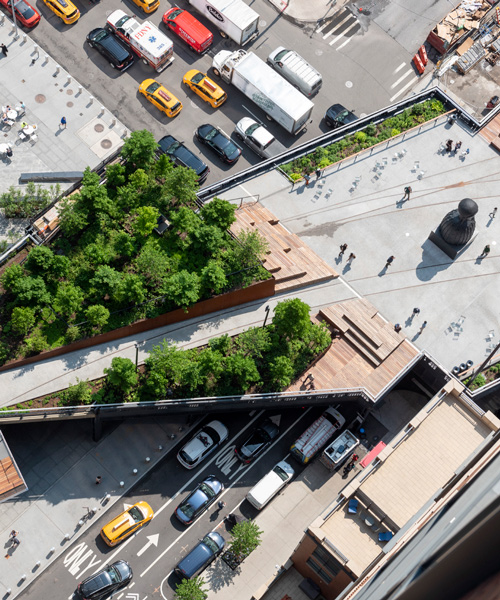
(25,10)
(207,490)
(136,514)
(153,87)
(211,134)
(173,147)
(279,471)
(208,541)
(213,434)
(258,438)
(173,15)
(100,35)
(342,116)
(252,128)
(186,458)
(197,78)
(281,54)
(114,574)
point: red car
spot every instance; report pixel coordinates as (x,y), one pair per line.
(25,14)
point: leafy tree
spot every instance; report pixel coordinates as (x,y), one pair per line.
(245,538)
(191,589)
(281,371)
(77,395)
(124,244)
(155,386)
(139,149)
(11,277)
(22,320)
(213,279)
(36,343)
(184,220)
(99,252)
(68,299)
(254,342)
(130,289)
(122,375)
(291,319)
(240,372)
(207,240)
(219,212)
(61,266)
(249,252)
(221,344)
(153,264)
(183,288)
(40,260)
(115,175)
(105,280)
(72,218)
(73,333)
(145,220)
(182,183)
(97,315)
(32,291)
(211,367)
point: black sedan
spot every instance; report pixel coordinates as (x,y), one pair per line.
(105,582)
(338,115)
(219,142)
(199,500)
(182,156)
(260,439)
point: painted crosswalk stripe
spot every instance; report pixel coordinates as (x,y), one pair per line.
(399,68)
(344,44)
(349,16)
(412,81)
(396,83)
(343,33)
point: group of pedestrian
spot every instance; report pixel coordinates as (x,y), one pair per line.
(343,248)
(307,177)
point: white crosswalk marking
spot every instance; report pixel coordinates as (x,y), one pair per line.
(396,83)
(344,44)
(399,68)
(411,82)
(343,33)
(349,16)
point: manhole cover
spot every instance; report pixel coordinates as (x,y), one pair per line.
(69,92)
(99,127)
(348,84)
(106,144)
(40,98)
(69,104)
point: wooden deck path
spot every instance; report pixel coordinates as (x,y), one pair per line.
(367,352)
(491,132)
(289,259)
(10,481)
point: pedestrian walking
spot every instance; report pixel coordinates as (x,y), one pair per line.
(13,533)
(493,213)
(449,145)
(307,178)
(389,261)
(15,542)
(98,480)
(4,49)
(343,248)
(416,311)
(63,122)
(485,252)
(221,504)
(318,174)
(397,328)
(422,327)
(458,145)
(408,191)
(352,256)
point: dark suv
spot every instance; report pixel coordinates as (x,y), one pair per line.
(105,582)
(182,156)
(118,55)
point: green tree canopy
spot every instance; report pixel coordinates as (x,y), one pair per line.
(68,299)
(191,589)
(105,280)
(40,260)
(213,279)
(246,537)
(31,291)
(281,371)
(130,289)
(11,276)
(145,220)
(219,212)
(139,149)
(122,375)
(291,319)
(183,288)
(97,315)
(22,320)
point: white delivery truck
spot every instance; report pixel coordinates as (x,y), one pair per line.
(341,447)
(273,94)
(145,39)
(317,435)
(234,18)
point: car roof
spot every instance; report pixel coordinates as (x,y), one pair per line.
(195,447)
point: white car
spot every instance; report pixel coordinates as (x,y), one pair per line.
(265,490)
(258,138)
(206,440)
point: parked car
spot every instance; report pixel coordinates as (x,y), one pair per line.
(160,97)
(199,500)
(118,55)
(205,441)
(127,523)
(182,156)
(189,29)
(207,550)
(219,142)
(147,6)
(64,9)
(25,13)
(338,115)
(258,138)
(205,88)
(265,490)
(260,439)
(105,582)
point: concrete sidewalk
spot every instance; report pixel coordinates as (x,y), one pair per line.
(61,473)
(313,11)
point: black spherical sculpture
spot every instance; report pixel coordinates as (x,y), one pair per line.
(458,226)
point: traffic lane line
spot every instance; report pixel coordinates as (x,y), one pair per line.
(162,508)
(244,472)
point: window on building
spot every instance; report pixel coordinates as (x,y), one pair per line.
(323,563)
(317,569)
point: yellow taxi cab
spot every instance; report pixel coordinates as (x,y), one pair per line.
(64,9)
(127,523)
(205,88)
(147,6)
(160,97)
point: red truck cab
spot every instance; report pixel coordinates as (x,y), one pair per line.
(189,29)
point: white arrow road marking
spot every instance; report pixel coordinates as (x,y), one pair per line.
(152,541)
(126,506)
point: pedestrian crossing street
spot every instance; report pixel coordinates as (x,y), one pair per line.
(343,29)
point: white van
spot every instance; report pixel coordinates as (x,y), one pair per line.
(296,70)
(270,485)
(317,435)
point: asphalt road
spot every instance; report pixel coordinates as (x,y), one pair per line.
(353,73)
(155,550)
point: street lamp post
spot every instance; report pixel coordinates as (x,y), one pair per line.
(137,346)
(14,18)
(267,309)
